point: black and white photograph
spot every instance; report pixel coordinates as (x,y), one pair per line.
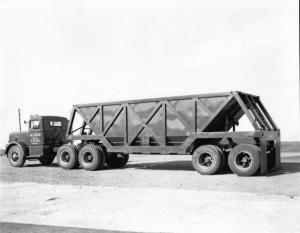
(139,116)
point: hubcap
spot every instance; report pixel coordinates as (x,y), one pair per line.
(205,160)
(65,157)
(87,157)
(15,156)
(243,160)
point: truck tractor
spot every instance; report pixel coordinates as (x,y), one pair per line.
(41,142)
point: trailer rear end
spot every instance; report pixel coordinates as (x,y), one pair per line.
(201,125)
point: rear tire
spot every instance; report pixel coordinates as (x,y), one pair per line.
(223,158)
(116,160)
(207,159)
(16,156)
(243,159)
(91,157)
(67,157)
(47,159)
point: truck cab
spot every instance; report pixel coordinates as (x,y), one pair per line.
(44,136)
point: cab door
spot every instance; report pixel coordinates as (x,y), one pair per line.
(35,137)
(55,131)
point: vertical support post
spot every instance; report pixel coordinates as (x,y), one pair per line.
(125,126)
(101,118)
(195,115)
(263,156)
(277,151)
(164,126)
(19,116)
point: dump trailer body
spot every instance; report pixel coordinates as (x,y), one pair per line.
(177,125)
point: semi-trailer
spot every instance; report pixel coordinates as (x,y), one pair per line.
(203,126)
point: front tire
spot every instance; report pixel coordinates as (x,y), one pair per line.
(207,159)
(16,156)
(67,157)
(243,159)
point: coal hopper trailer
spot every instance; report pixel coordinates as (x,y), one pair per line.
(203,126)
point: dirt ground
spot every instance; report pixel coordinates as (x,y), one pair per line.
(161,171)
(153,193)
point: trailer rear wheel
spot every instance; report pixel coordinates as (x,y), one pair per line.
(67,157)
(207,159)
(91,157)
(243,159)
(116,160)
(223,159)
(16,156)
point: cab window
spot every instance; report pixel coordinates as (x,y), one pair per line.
(35,124)
(55,123)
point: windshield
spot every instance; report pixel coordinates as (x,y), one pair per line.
(35,124)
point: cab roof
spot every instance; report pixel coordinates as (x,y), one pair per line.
(38,117)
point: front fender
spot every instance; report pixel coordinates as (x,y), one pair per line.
(22,145)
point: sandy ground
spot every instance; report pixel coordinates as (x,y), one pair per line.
(152,194)
(160,171)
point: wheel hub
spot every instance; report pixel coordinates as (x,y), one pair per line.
(243,160)
(87,157)
(205,160)
(15,156)
(65,157)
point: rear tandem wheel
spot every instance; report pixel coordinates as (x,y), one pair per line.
(67,157)
(91,157)
(243,159)
(207,159)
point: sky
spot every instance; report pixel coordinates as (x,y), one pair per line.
(54,54)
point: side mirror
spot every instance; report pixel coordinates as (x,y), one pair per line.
(26,122)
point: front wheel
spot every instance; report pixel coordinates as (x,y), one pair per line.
(16,156)
(67,157)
